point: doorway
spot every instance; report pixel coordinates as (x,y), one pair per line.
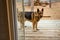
(48,25)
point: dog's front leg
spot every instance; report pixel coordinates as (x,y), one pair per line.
(34,26)
(34,22)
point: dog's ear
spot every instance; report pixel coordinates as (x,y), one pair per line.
(42,9)
(38,10)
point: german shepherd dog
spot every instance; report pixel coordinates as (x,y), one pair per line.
(34,17)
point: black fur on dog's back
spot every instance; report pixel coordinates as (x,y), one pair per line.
(28,15)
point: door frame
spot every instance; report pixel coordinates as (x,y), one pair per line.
(12,18)
(12,23)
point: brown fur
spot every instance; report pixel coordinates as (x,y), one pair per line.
(36,16)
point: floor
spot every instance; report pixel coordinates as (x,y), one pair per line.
(48,30)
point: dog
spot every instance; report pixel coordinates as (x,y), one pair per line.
(33,17)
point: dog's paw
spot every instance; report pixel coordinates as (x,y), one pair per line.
(37,29)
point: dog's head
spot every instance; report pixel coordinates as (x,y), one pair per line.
(40,12)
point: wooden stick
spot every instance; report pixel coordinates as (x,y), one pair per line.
(46,16)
